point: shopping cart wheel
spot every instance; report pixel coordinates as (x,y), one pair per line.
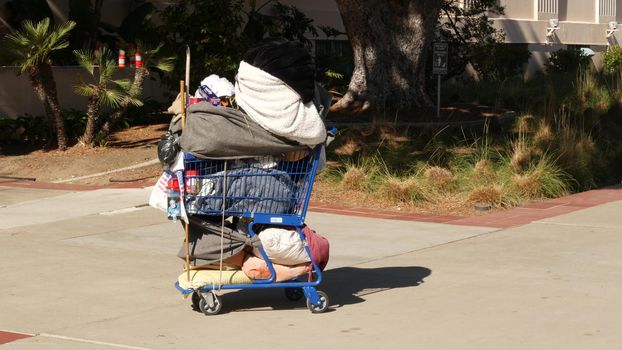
(210,304)
(294,294)
(196,299)
(316,309)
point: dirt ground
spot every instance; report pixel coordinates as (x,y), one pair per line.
(129,147)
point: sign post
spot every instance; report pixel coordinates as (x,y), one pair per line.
(440,57)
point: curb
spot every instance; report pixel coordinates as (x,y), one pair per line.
(72,187)
(512,217)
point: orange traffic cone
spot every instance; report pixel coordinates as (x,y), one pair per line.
(138,60)
(121,58)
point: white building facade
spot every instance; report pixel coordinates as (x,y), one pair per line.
(548,25)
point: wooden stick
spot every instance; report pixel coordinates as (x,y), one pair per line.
(182,93)
(187,253)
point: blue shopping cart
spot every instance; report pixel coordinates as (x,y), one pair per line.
(261,191)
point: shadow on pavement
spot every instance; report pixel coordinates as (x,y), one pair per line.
(348,285)
(344,286)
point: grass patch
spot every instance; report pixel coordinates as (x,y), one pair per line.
(566,140)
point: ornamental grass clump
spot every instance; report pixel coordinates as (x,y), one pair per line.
(353,179)
(441,178)
(543,137)
(544,180)
(491,194)
(484,170)
(407,190)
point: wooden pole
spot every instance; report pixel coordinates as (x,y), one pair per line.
(184,90)
(182,93)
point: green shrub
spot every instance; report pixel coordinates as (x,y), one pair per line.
(24,128)
(612,59)
(75,123)
(567,60)
(8,128)
(499,61)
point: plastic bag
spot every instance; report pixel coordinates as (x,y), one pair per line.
(157,199)
(168,148)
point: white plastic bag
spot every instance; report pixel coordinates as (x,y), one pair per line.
(157,199)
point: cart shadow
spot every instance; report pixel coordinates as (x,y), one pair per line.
(344,286)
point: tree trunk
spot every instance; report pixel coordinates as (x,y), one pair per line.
(37,86)
(390,41)
(92,120)
(44,86)
(97,14)
(135,90)
(49,85)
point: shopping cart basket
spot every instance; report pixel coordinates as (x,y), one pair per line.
(263,191)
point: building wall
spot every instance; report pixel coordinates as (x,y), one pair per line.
(517,10)
(113,11)
(17,97)
(577,10)
(581,22)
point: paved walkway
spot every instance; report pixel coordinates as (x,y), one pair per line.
(94,270)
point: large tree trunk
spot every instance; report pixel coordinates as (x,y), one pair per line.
(135,90)
(390,40)
(44,87)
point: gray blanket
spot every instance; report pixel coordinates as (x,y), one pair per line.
(204,237)
(249,190)
(221,132)
(226,133)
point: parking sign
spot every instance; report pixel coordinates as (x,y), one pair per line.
(440,57)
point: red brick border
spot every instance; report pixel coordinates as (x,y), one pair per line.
(500,219)
(72,187)
(7,337)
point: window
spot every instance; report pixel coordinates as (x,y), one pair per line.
(607,8)
(547,6)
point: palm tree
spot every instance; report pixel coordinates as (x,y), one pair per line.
(104,91)
(32,44)
(150,60)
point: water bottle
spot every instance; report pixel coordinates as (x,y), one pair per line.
(173,209)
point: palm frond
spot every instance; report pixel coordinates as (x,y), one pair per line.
(33,42)
(134,101)
(150,56)
(36,30)
(84,89)
(151,51)
(165,64)
(107,66)
(112,97)
(56,39)
(86,60)
(124,84)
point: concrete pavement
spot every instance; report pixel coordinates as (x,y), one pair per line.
(98,273)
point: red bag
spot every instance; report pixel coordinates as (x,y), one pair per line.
(318,245)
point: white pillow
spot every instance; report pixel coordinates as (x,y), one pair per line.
(283,246)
